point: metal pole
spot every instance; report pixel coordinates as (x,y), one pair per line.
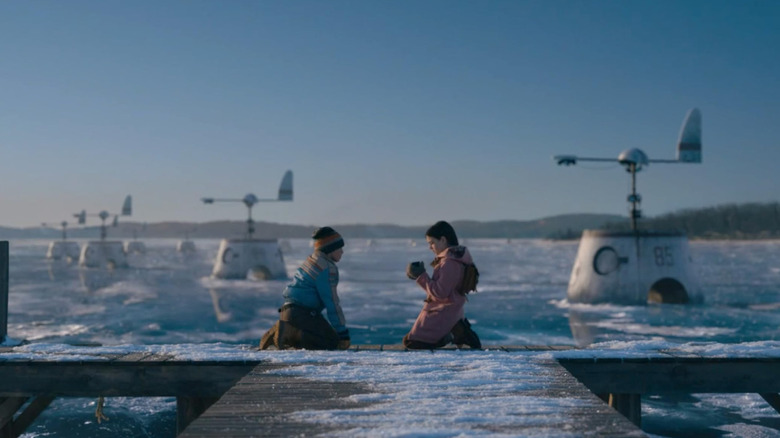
(3,290)
(634,198)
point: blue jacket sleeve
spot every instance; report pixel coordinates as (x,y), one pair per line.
(326,289)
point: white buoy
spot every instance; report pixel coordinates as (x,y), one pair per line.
(134,247)
(103,254)
(186,247)
(63,249)
(257,259)
(638,266)
(632,268)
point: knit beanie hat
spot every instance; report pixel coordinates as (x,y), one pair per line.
(327,240)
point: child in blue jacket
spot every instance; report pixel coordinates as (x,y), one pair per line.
(313,288)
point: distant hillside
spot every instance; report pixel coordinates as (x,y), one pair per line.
(555,226)
(729,221)
(732,221)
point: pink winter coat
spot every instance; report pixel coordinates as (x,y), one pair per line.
(444,303)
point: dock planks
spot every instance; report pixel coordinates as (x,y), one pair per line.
(266,403)
(245,398)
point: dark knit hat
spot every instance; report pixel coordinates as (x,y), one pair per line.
(327,240)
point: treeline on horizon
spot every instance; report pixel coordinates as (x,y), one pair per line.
(730,221)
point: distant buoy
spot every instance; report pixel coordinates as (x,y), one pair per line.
(186,247)
(259,259)
(134,247)
(63,249)
(632,268)
(103,254)
(637,267)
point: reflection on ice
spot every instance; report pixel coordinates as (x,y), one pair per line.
(95,279)
(521,299)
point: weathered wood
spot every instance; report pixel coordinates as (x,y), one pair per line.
(120,378)
(8,408)
(3,290)
(30,413)
(771,398)
(677,375)
(629,405)
(190,408)
(260,404)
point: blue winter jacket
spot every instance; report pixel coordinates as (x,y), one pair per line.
(314,287)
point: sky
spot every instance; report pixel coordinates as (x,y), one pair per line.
(400,112)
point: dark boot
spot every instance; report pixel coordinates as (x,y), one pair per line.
(464,335)
(268,338)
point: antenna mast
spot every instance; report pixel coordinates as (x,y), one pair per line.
(688,151)
(285,194)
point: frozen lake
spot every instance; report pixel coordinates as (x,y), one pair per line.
(165,298)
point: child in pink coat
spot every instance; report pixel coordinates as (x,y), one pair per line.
(442,319)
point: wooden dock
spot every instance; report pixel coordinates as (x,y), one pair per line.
(31,384)
(623,380)
(265,395)
(264,402)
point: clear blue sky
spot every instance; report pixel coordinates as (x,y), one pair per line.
(387,111)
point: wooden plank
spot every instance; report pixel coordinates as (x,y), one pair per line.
(26,418)
(629,405)
(260,404)
(678,375)
(132,379)
(8,408)
(190,408)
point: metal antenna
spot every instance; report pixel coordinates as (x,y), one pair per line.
(64,226)
(127,210)
(285,194)
(688,151)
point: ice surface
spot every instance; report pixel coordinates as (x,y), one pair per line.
(167,298)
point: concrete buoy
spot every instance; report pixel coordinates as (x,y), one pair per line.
(103,254)
(186,247)
(257,259)
(632,268)
(639,266)
(63,249)
(134,247)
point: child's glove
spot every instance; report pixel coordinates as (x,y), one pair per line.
(415,269)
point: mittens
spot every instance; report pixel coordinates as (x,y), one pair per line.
(415,269)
